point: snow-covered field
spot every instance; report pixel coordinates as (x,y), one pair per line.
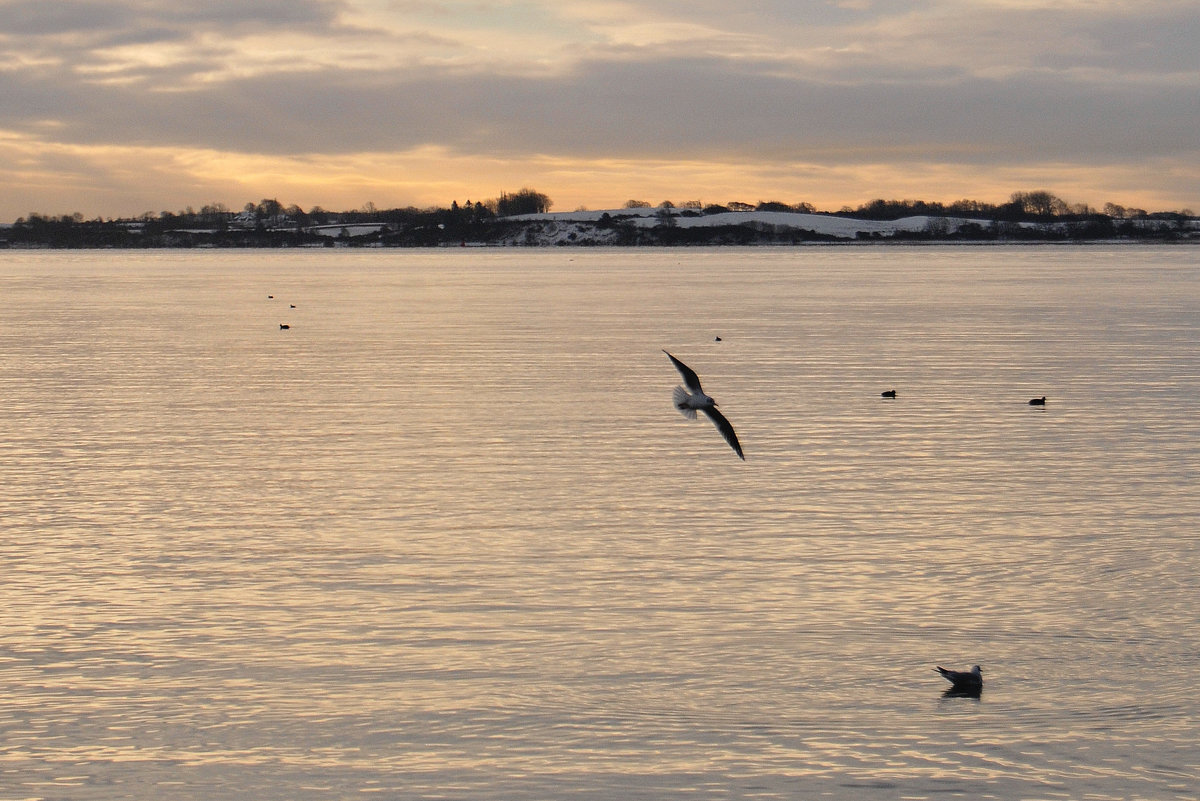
(842,227)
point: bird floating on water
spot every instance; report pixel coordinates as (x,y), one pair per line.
(963,682)
(890,393)
(284,326)
(688,403)
(1038,401)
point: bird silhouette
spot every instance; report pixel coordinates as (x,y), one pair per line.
(695,400)
(963,682)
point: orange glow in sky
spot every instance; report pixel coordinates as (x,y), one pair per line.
(124,107)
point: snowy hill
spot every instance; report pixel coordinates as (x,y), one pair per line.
(569,226)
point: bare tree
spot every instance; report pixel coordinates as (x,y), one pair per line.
(1039,204)
(527,201)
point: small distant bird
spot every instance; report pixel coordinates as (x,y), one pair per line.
(1038,401)
(284,326)
(688,403)
(891,393)
(270,297)
(963,682)
(718,339)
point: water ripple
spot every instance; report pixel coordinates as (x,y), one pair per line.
(447,539)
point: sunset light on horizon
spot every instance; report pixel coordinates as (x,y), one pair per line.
(121,108)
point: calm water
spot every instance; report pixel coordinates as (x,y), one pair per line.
(447,538)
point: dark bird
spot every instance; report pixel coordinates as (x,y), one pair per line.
(270,297)
(283,326)
(891,393)
(293,305)
(718,339)
(688,403)
(963,682)
(1038,401)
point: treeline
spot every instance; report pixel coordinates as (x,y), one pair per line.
(271,213)
(270,223)
(1037,206)
(1038,215)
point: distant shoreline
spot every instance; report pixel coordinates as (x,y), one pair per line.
(631,227)
(1090,243)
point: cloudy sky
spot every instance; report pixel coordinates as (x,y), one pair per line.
(125,106)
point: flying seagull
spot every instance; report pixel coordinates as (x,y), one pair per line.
(688,403)
(963,682)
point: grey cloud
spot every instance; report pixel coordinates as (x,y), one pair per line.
(625,110)
(773,15)
(75,35)
(1150,43)
(72,31)
(1152,36)
(267,12)
(41,18)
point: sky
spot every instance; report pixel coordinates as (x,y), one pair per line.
(121,107)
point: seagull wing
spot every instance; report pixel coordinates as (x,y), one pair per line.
(689,375)
(725,428)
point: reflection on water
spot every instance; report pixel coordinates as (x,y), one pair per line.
(446,537)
